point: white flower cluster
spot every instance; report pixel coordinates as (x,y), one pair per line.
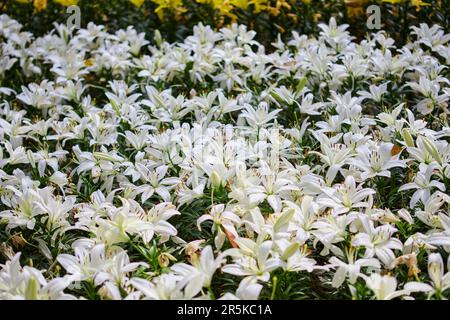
(214,168)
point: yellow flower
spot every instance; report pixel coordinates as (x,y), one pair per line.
(419,3)
(241,4)
(171,5)
(317,17)
(275,11)
(293,17)
(67,3)
(40,4)
(355,11)
(355,8)
(224,7)
(355,3)
(137,3)
(260,5)
(416,3)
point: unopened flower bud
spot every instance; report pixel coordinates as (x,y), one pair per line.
(430,146)
(216,179)
(407,137)
(30,157)
(435,268)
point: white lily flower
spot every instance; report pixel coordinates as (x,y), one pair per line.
(384,287)
(378,241)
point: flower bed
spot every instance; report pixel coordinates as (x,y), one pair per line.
(176,18)
(216,167)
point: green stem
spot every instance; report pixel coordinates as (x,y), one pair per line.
(274,287)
